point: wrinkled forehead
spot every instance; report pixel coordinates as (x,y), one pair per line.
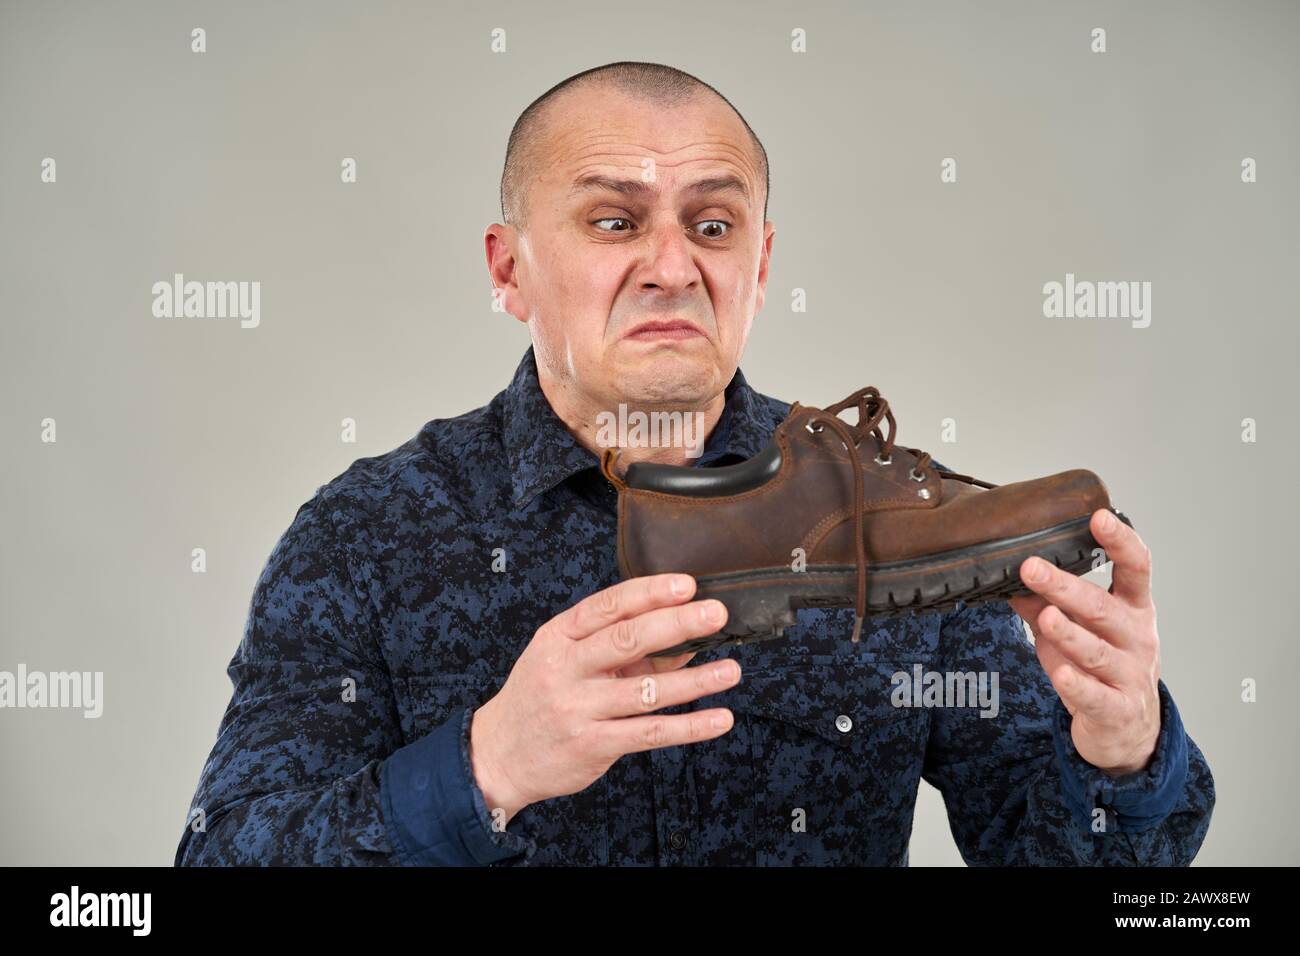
(597,139)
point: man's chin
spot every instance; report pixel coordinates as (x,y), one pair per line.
(667,375)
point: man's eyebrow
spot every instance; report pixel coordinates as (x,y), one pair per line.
(638,188)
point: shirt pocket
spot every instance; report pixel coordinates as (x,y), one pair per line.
(424,703)
(834,764)
(823,638)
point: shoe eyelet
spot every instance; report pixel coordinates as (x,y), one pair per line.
(885,461)
(914,476)
(923,493)
(816,431)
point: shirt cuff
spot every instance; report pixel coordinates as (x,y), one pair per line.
(434,810)
(1136,801)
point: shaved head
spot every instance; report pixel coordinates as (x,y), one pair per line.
(653,83)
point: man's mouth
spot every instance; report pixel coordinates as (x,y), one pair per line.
(671,329)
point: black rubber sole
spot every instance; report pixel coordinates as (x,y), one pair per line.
(762,603)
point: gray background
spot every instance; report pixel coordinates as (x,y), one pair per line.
(175,434)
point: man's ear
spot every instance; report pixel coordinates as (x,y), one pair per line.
(764,261)
(499,244)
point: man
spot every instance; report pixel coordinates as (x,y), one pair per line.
(440,665)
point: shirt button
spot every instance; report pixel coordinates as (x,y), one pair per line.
(677,839)
(843,724)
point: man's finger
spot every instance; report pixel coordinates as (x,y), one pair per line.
(633,696)
(623,600)
(1099,611)
(655,665)
(631,639)
(654,731)
(1085,650)
(1131,575)
(1082,692)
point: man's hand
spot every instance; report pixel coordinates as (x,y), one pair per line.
(582,693)
(1100,649)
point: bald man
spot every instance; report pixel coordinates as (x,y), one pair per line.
(441,666)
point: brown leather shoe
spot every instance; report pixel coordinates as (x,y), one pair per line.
(778,532)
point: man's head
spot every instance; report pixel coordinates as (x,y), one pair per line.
(633,194)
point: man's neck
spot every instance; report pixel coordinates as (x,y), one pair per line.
(593,427)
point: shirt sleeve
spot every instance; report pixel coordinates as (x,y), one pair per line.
(1131,803)
(1016,790)
(310,766)
(435,809)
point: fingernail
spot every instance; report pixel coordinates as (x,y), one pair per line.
(721,722)
(1107,522)
(727,672)
(1037,570)
(681,585)
(711,611)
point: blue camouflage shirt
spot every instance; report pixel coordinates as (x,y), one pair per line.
(404,590)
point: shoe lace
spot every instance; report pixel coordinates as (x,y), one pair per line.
(872,410)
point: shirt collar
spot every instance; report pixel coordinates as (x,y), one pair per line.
(542,453)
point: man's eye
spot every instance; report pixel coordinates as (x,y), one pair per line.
(720,226)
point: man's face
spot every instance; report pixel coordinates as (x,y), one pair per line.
(645,257)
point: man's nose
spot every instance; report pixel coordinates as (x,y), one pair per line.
(670,261)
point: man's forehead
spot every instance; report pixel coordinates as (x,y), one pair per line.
(708,183)
(702,145)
